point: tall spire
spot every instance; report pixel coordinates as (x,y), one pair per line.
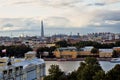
(42,29)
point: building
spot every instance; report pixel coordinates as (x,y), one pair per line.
(116,48)
(42,29)
(29,68)
(66,52)
(87,48)
(105,52)
(86,51)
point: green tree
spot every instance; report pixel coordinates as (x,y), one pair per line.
(40,51)
(72,75)
(92,61)
(16,50)
(115,54)
(117,43)
(114,74)
(100,75)
(95,50)
(88,69)
(55,73)
(62,43)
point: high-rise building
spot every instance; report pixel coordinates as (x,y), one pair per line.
(42,29)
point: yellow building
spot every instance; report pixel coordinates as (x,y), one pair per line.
(87,53)
(105,52)
(116,49)
(66,52)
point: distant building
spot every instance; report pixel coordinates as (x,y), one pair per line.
(105,52)
(66,52)
(86,51)
(87,48)
(42,29)
(116,48)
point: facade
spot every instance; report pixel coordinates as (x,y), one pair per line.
(66,52)
(87,48)
(26,69)
(116,48)
(105,52)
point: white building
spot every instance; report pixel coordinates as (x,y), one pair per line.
(27,69)
(87,48)
(117,36)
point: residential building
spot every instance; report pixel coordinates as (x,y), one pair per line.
(29,68)
(66,52)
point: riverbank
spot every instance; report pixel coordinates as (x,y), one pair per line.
(76,59)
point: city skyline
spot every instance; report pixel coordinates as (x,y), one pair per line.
(76,16)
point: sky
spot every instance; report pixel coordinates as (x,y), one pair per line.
(59,16)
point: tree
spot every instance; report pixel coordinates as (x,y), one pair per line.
(100,75)
(55,73)
(72,75)
(41,50)
(88,69)
(117,43)
(113,74)
(115,54)
(62,43)
(94,50)
(92,61)
(16,50)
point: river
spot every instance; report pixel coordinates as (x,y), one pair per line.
(68,66)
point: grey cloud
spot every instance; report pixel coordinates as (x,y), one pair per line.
(53,3)
(106,19)
(8,25)
(96,4)
(104,28)
(99,4)
(32,23)
(19,23)
(109,15)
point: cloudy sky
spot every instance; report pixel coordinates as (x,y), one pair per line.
(59,16)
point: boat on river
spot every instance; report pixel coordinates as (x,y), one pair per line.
(115,60)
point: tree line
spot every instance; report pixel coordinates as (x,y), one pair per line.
(41,50)
(14,50)
(88,70)
(81,44)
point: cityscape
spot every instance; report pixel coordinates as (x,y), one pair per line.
(60,40)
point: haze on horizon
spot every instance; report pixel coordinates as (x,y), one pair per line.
(76,16)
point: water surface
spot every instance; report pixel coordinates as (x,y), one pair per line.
(68,66)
